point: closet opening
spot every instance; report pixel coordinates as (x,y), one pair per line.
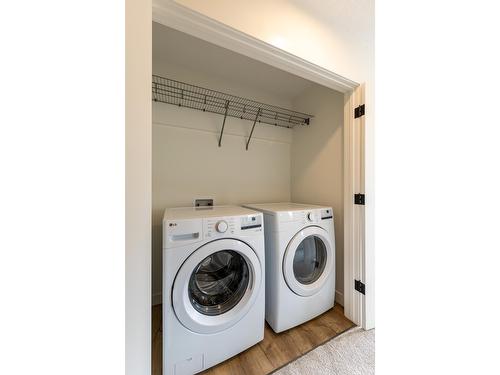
(232,130)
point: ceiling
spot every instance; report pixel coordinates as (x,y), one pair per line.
(177,48)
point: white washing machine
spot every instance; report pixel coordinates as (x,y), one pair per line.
(213,285)
(300,262)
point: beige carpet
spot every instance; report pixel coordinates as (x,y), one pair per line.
(352,353)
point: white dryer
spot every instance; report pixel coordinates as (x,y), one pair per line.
(300,262)
(213,285)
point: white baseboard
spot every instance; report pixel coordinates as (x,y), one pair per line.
(339,298)
(156,299)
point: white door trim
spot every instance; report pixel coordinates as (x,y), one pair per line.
(176,16)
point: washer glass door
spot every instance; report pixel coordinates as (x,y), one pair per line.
(216,285)
(219,282)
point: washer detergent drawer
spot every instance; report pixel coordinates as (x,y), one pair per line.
(189,366)
(182,232)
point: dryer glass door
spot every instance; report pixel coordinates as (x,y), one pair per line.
(309,260)
(219,282)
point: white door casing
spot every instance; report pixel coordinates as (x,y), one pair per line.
(288,261)
(183,308)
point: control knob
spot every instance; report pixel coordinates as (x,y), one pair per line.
(221,226)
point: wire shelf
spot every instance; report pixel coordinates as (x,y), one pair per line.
(182,94)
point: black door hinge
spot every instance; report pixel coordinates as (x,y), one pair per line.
(359,111)
(359,286)
(359,199)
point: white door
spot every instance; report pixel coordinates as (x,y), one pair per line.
(216,286)
(308,261)
(358,258)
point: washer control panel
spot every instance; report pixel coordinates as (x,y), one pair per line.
(216,227)
(251,222)
(221,226)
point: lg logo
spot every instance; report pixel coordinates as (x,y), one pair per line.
(172,224)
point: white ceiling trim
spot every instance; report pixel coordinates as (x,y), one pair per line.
(179,17)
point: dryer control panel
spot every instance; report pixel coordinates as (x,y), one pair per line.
(315,216)
(216,227)
(312,216)
(326,214)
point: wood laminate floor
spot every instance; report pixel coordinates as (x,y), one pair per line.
(275,351)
